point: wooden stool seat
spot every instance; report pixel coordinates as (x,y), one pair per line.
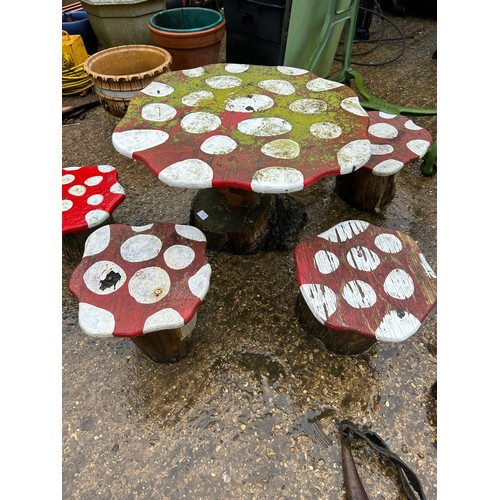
(144,283)
(395,141)
(89,196)
(360,284)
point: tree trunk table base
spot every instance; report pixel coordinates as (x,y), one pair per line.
(236,221)
(166,346)
(338,341)
(365,191)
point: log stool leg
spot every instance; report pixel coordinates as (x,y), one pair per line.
(166,346)
(365,191)
(337,341)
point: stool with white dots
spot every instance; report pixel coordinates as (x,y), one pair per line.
(360,284)
(144,283)
(395,142)
(89,196)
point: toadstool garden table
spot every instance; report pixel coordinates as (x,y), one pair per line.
(395,141)
(360,284)
(242,134)
(144,283)
(89,196)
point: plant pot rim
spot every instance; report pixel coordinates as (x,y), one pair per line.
(186,34)
(206,28)
(87,65)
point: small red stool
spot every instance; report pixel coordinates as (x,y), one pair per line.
(360,284)
(395,142)
(144,283)
(89,196)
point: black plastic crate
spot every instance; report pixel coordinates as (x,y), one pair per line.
(248,50)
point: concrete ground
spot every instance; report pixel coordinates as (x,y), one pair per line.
(238,417)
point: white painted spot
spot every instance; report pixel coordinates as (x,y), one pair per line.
(200,282)
(344,230)
(190,232)
(66,205)
(325,130)
(326,262)
(236,68)
(117,188)
(281,148)
(71,168)
(264,127)
(95,321)
(320,299)
(187,330)
(249,104)
(97,241)
(223,82)
(158,112)
(149,285)
(97,273)
(322,84)
(427,268)
(354,155)
(131,141)
(359,294)
(200,122)
(68,178)
(363,259)
(193,72)
(194,98)
(381,149)
(219,145)
(419,147)
(387,167)
(191,173)
(105,168)
(157,89)
(93,181)
(290,70)
(281,87)
(140,248)
(399,284)
(388,116)
(397,326)
(178,256)
(77,190)
(308,106)
(277,180)
(166,319)
(139,229)
(95,199)
(383,130)
(410,125)
(96,217)
(388,243)
(351,104)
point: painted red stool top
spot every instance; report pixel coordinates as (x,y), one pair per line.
(372,280)
(266,129)
(396,141)
(134,280)
(89,196)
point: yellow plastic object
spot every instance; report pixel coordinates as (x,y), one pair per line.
(73,50)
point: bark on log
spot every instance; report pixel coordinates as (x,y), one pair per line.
(365,191)
(338,341)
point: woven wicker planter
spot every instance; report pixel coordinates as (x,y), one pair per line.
(118,73)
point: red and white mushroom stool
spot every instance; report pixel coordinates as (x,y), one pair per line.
(144,283)
(360,284)
(395,141)
(89,196)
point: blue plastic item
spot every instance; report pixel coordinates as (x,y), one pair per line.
(76,22)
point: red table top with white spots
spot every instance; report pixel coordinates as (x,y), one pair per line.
(266,129)
(395,141)
(360,277)
(140,279)
(89,196)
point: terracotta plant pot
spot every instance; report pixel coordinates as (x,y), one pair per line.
(118,73)
(191,34)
